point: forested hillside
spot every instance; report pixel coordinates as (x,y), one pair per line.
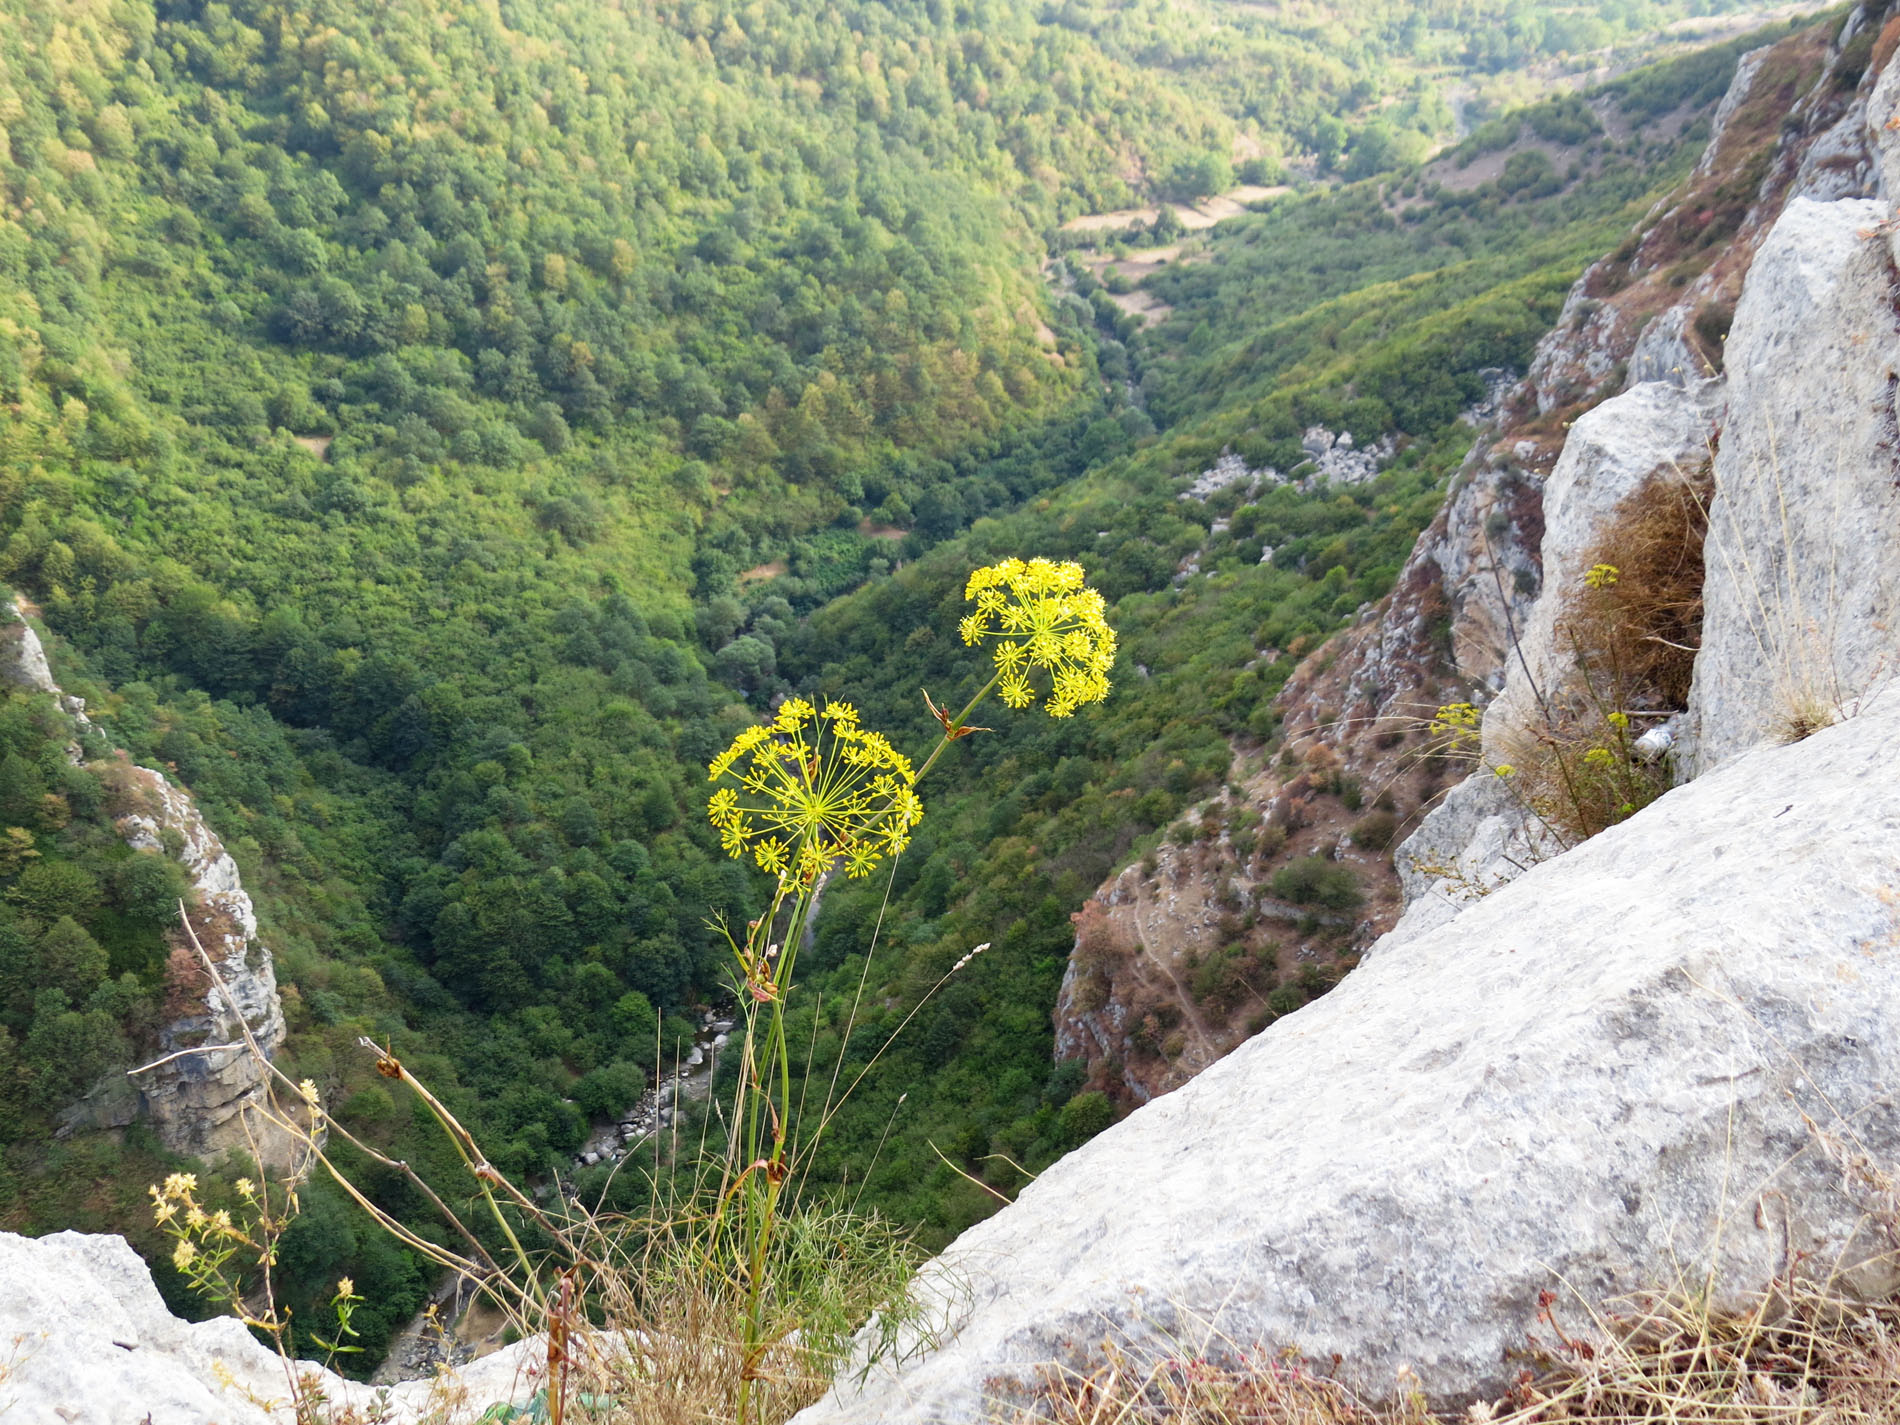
(432,430)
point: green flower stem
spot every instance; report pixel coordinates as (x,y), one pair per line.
(767,1149)
(464,1145)
(759,1211)
(956,724)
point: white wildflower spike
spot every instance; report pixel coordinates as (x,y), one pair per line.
(969,957)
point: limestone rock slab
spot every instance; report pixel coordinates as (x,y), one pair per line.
(91,1343)
(1567,1088)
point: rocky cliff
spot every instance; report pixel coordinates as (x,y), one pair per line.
(1578,1067)
(1664,1051)
(196,1093)
(1646,329)
(1785,440)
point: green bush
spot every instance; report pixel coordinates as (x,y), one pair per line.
(1315,881)
(1286,999)
(1229,975)
(1082,1117)
(1375,831)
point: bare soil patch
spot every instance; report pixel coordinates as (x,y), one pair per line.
(1195,217)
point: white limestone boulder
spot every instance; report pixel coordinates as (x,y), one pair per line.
(1479,837)
(1657,431)
(1802,591)
(1594,1076)
(87,1341)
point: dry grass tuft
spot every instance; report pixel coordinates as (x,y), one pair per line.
(1799,1356)
(1633,627)
(1643,630)
(670,1348)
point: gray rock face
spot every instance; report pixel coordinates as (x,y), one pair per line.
(92,1344)
(1663,353)
(1476,839)
(1656,431)
(1747,68)
(22,656)
(1576,1083)
(1803,555)
(196,1101)
(1479,836)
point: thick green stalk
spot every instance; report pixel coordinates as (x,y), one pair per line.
(956,724)
(772,1057)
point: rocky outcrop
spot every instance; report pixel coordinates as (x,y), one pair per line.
(1657,431)
(198,1100)
(1647,319)
(1672,1045)
(204,1077)
(1803,607)
(1483,834)
(1802,441)
(90,1343)
(22,656)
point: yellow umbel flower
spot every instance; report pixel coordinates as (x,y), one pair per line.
(814,788)
(1042,615)
(1458,723)
(1601,576)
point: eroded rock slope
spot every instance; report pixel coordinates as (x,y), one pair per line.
(1646,328)
(194,1100)
(1665,1053)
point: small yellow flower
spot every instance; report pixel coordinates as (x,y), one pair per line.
(1505,769)
(1598,757)
(246,1189)
(770,854)
(813,788)
(345,1287)
(195,1217)
(164,1212)
(180,1184)
(183,1255)
(1042,615)
(1618,720)
(1457,722)
(308,1088)
(1601,576)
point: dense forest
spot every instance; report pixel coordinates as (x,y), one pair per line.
(432,431)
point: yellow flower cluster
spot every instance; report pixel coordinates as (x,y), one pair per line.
(175,1208)
(1458,723)
(1042,615)
(1601,576)
(814,788)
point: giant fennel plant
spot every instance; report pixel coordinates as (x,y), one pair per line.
(808,794)
(814,791)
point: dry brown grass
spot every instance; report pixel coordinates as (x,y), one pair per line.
(669,1348)
(1799,1356)
(1633,630)
(1641,633)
